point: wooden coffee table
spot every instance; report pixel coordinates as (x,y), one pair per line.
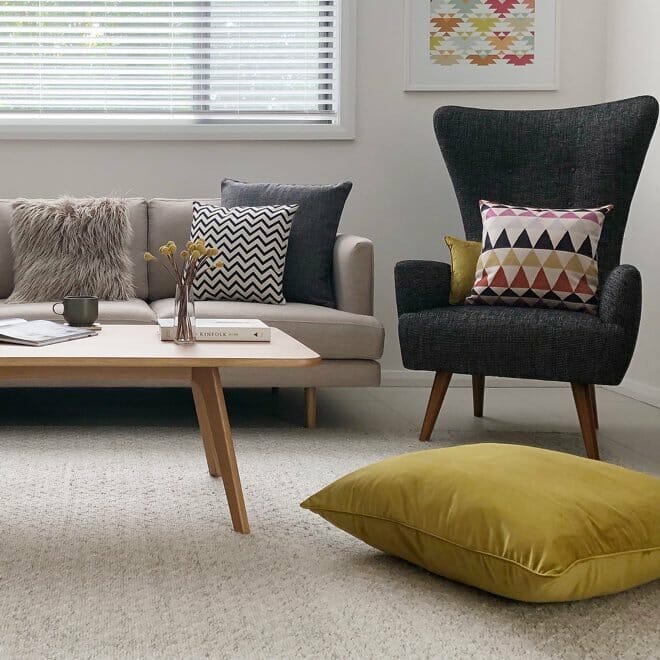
(135,353)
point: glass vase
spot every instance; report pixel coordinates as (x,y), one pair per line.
(184,315)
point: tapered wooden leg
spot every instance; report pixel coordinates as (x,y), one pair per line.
(216,432)
(586,416)
(594,406)
(478,385)
(310,407)
(206,430)
(440,385)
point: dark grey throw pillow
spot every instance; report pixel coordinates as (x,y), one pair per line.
(308,269)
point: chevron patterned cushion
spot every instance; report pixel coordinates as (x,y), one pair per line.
(538,257)
(253,242)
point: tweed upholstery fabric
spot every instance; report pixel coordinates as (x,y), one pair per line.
(421,285)
(568,158)
(518,343)
(553,159)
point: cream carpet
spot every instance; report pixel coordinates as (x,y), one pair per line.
(116,543)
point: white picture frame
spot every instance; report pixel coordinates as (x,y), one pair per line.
(425,71)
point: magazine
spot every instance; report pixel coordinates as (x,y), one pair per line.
(221,330)
(39,333)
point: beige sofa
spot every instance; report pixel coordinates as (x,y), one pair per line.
(349,338)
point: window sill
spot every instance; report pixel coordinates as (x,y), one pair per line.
(164,130)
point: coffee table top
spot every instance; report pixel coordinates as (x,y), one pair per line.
(140,346)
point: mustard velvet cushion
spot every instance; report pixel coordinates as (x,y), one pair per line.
(525,523)
(464,258)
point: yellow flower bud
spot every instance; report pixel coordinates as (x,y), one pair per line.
(171,244)
(218,264)
(149,257)
(189,244)
(185,254)
(163,249)
(195,254)
(213,252)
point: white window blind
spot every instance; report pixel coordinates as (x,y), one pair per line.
(213,62)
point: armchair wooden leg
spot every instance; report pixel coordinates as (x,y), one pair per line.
(440,385)
(310,407)
(585,413)
(594,406)
(478,385)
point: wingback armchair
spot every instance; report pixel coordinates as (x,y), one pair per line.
(567,158)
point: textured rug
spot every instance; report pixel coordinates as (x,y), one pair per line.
(115,542)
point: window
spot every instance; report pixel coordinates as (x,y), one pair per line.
(178,68)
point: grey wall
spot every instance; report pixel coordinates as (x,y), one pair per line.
(632,68)
(402,197)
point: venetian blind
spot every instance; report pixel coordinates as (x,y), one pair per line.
(241,61)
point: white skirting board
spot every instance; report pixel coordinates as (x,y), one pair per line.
(638,391)
(403,378)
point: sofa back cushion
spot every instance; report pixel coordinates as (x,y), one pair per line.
(137,216)
(169,220)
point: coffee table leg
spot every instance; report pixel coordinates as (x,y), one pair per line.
(218,443)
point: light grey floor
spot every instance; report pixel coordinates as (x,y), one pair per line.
(629,430)
(115,542)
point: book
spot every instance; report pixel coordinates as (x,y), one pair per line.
(220,330)
(39,333)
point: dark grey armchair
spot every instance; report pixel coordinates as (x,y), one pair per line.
(568,158)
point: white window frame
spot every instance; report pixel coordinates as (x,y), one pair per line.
(173,129)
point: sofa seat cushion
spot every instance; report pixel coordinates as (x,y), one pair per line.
(133,311)
(333,334)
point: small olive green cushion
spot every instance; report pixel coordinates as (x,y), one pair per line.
(464,257)
(525,523)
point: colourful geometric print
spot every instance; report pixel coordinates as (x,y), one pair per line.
(482,32)
(538,257)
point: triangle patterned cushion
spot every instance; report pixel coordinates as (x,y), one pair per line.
(253,242)
(538,257)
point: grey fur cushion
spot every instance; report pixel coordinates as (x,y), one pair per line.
(71,247)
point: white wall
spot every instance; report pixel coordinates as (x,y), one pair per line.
(402,198)
(633,62)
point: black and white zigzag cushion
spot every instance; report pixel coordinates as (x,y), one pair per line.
(253,242)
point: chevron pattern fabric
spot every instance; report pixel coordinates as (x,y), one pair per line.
(538,257)
(253,242)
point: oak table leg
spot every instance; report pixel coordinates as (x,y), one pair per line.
(440,385)
(216,432)
(478,386)
(586,416)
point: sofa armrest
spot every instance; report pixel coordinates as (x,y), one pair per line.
(621,298)
(421,285)
(353,272)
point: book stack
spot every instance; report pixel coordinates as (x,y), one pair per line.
(220,330)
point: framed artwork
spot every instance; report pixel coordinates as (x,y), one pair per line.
(481,45)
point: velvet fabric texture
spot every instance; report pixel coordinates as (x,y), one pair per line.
(525,523)
(308,269)
(464,257)
(71,247)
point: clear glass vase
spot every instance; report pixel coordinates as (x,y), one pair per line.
(184,315)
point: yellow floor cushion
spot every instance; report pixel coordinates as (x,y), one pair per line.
(525,523)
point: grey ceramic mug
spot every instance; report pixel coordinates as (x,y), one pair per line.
(79,310)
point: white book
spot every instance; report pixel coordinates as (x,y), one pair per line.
(39,333)
(220,330)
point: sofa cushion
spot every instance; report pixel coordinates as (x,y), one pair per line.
(308,269)
(333,334)
(133,311)
(137,216)
(169,220)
